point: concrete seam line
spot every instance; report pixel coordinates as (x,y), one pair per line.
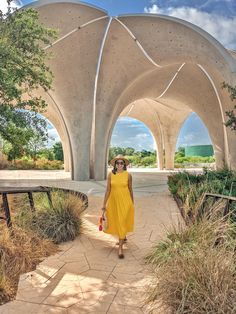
(171,81)
(132,106)
(75,30)
(165,106)
(92,152)
(94,20)
(138,44)
(221,110)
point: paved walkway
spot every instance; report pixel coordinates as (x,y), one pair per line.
(86,276)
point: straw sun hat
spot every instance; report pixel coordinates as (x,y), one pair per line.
(112,162)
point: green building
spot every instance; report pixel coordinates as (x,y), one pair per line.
(199,150)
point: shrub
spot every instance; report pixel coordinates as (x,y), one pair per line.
(139,161)
(189,188)
(44,164)
(3,162)
(195,269)
(22,164)
(20,251)
(60,222)
(26,163)
(193,159)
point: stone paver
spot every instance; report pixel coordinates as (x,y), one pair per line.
(86,276)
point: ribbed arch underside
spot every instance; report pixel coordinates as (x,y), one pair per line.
(102,65)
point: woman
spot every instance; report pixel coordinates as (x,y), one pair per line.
(119,202)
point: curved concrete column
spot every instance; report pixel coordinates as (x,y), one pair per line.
(170,134)
(116,72)
(54,115)
(202,99)
(231,135)
(171,120)
(74,66)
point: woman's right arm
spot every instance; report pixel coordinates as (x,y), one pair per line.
(108,190)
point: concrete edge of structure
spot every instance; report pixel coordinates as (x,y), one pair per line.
(39,3)
(224,51)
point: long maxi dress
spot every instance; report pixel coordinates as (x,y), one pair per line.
(119,207)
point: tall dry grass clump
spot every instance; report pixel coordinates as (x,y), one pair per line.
(195,269)
(59,221)
(20,252)
(34,233)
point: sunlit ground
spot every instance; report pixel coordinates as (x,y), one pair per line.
(62,175)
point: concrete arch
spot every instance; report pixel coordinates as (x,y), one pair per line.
(178,96)
(183,125)
(149,117)
(154,129)
(159,119)
(53,114)
(109,63)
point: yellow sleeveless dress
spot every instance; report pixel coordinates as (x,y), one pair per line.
(119,207)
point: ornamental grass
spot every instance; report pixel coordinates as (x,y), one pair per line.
(195,268)
(33,235)
(20,252)
(59,221)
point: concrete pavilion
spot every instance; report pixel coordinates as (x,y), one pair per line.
(154,68)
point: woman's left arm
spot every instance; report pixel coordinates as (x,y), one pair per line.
(130,187)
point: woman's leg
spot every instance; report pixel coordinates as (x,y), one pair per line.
(125,240)
(120,250)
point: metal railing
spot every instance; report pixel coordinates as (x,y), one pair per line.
(4,191)
(216,197)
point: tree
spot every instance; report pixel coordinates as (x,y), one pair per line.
(58,151)
(46,153)
(231,114)
(181,151)
(145,153)
(36,143)
(129,151)
(114,151)
(23,70)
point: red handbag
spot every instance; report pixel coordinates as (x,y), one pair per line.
(102,223)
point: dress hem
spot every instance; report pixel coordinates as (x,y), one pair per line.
(116,234)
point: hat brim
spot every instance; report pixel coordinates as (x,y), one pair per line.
(112,162)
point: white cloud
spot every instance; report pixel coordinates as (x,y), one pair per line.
(142,135)
(220,27)
(52,133)
(3,5)
(154,9)
(153,1)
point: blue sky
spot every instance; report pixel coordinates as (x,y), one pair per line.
(218,17)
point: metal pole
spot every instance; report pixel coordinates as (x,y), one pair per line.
(6,209)
(31,201)
(49,198)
